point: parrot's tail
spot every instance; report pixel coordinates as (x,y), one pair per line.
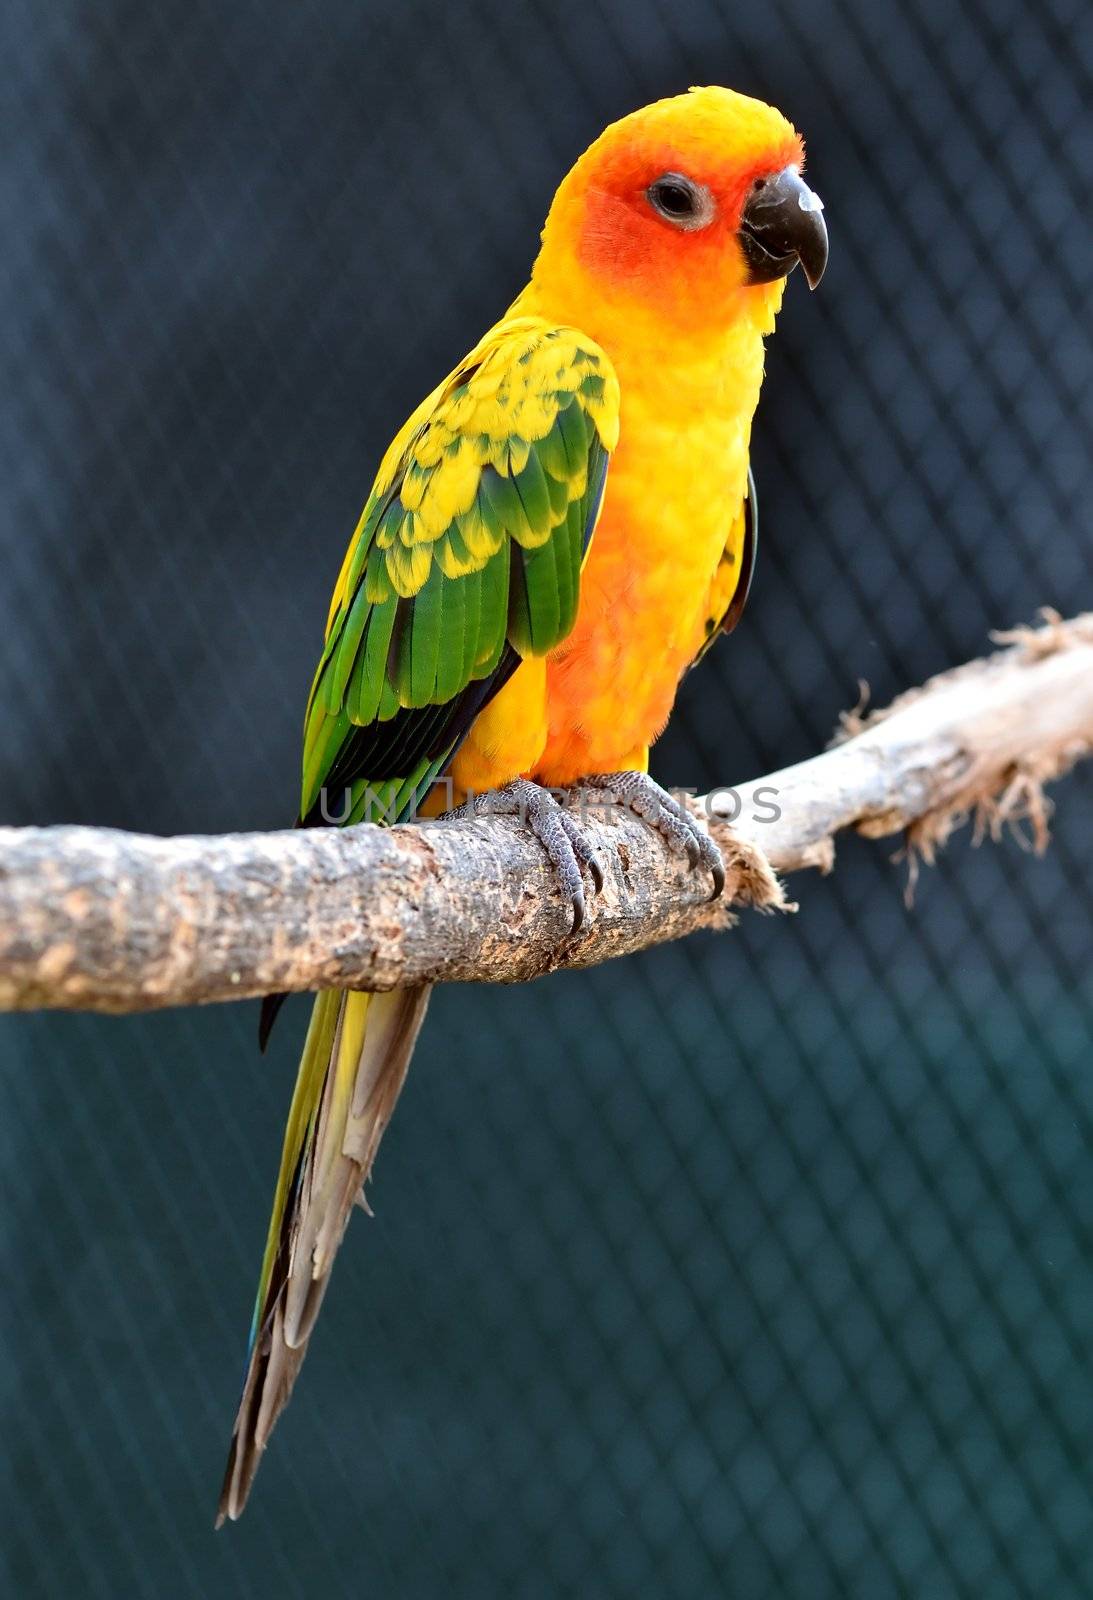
(353,1066)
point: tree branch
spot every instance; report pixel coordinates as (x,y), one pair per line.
(92,919)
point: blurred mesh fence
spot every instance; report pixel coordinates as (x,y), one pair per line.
(759,1266)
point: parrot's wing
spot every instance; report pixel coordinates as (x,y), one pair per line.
(732,580)
(466,559)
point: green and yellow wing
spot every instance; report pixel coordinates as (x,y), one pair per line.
(466,559)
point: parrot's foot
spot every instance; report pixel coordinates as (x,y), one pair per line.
(554,827)
(668,816)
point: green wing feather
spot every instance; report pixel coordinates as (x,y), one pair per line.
(466,559)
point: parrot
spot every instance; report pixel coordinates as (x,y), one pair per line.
(559,531)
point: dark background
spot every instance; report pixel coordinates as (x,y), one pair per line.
(758,1266)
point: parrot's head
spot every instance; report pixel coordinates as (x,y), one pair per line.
(693,207)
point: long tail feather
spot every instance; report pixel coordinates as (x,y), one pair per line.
(353,1066)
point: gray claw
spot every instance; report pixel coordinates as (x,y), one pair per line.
(581,847)
(668,816)
(717,870)
(559,834)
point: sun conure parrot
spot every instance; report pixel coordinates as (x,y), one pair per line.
(558,532)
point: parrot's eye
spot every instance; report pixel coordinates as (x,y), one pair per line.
(681,201)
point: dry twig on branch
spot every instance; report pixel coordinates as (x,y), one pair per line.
(92,919)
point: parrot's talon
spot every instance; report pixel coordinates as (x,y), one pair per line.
(560,835)
(583,851)
(668,816)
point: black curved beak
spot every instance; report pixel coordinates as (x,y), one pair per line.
(783,223)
